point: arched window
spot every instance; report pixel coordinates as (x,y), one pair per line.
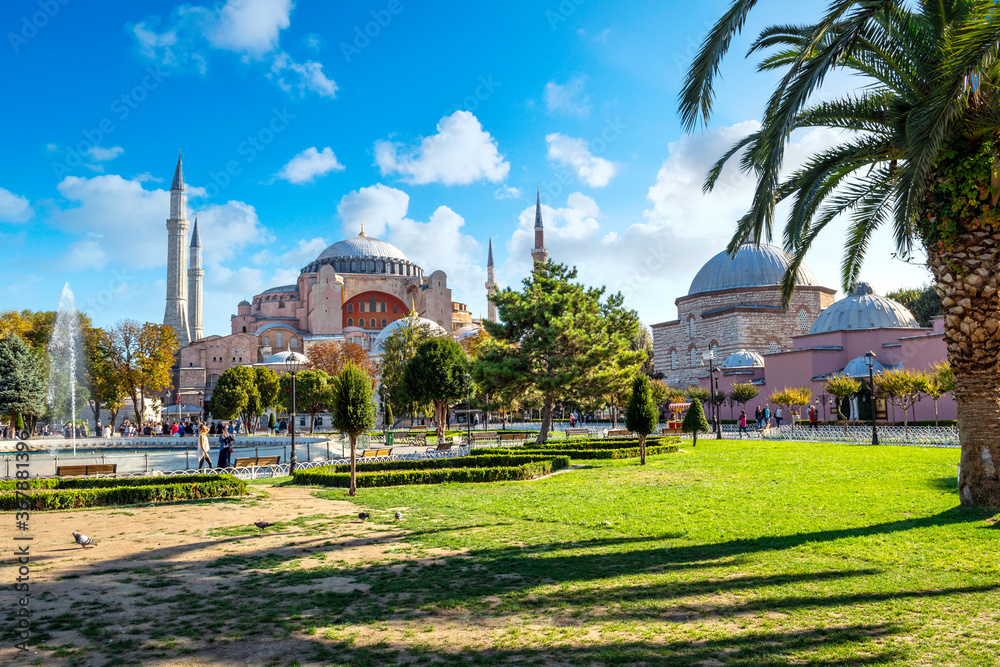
(673,360)
(383,322)
(694,356)
(293,343)
(382,307)
(371,302)
(371,266)
(244,329)
(803,320)
(361,306)
(691,328)
(395,309)
(350,307)
(266,341)
(381,267)
(354,267)
(350,321)
(772,347)
(279,338)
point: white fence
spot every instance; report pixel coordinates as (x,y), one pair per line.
(924,436)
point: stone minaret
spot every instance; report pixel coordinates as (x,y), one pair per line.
(176,313)
(195,275)
(491,286)
(539,253)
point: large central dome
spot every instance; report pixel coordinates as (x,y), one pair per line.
(362,254)
(753,266)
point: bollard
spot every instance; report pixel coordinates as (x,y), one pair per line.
(187,459)
(308,455)
(328,450)
(145,465)
(255,452)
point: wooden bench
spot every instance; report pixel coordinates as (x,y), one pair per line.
(484,435)
(95,469)
(443,447)
(257,461)
(570,432)
(507,437)
(619,433)
(374,453)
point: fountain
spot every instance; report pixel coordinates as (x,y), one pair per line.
(65,352)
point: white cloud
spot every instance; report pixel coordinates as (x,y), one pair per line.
(436,244)
(126,222)
(14,208)
(568,98)
(461,152)
(305,251)
(506,192)
(575,153)
(250,26)
(310,163)
(105,154)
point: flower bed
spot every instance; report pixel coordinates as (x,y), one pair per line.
(475,469)
(105,492)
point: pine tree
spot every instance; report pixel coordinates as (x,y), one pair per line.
(353,410)
(695,421)
(641,415)
(22,380)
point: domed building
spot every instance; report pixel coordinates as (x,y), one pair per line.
(734,306)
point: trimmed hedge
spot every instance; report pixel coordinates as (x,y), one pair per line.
(100,482)
(617,453)
(220,486)
(604,443)
(524,468)
(450,462)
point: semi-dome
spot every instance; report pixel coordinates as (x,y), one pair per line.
(435,330)
(285,356)
(363,254)
(743,359)
(864,310)
(753,266)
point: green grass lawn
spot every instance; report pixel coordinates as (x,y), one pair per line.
(739,553)
(735,554)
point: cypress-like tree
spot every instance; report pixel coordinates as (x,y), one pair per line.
(22,380)
(353,410)
(641,415)
(695,421)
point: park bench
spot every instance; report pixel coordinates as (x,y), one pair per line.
(506,437)
(95,469)
(257,461)
(442,447)
(484,435)
(619,433)
(375,453)
(570,432)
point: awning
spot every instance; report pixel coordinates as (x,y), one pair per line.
(679,407)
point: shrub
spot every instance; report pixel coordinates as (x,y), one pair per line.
(217,486)
(103,482)
(616,453)
(476,470)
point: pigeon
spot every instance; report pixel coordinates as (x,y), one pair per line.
(399,515)
(363,515)
(84,541)
(262,524)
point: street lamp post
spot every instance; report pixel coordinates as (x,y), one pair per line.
(468,411)
(870,361)
(293,364)
(712,391)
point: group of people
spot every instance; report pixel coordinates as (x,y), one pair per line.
(763,418)
(227,436)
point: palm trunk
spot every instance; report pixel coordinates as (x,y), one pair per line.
(968,290)
(353,490)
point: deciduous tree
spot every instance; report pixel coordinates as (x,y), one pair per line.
(312,392)
(436,375)
(331,357)
(792,398)
(842,387)
(142,356)
(902,388)
(353,410)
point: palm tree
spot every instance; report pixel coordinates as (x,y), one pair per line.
(919,152)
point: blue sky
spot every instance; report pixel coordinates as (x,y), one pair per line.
(434,122)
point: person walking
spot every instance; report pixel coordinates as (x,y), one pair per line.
(758,417)
(204,451)
(743,424)
(777,417)
(813,417)
(767,415)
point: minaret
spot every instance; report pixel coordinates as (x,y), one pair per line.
(176,314)
(195,275)
(539,254)
(491,285)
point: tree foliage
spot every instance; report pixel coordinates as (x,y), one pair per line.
(902,388)
(331,357)
(312,392)
(923,302)
(142,356)
(397,350)
(695,421)
(641,414)
(22,380)
(352,409)
(562,339)
(436,375)
(695,392)
(235,394)
(107,390)
(792,398)
(842,387)
(743,392)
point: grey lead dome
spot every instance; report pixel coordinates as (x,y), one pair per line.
(753,266)
(362,254)
(362,247)
(864,310)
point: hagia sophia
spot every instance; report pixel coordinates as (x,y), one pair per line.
(358,288)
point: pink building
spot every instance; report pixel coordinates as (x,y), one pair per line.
(836,344)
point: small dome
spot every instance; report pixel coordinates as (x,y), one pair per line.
(864,310)
(244,302)
(858,368)
(753,266)
(284,357)
(435,329)
(743,359)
